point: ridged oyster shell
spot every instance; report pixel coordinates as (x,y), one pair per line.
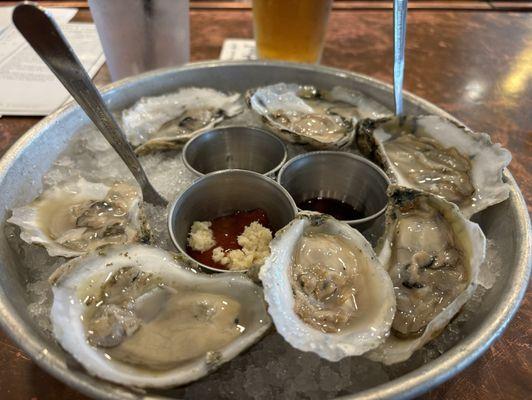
(137,315)
(81,216)
(169,121)
(305,114)
(433,255)
(326,290)
(436,155)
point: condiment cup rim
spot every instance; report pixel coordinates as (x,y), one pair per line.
(229,127)
(340,154)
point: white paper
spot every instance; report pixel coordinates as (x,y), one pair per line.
(238,49)
(27,86)
(61,15)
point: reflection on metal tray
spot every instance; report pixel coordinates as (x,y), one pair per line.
(506,226)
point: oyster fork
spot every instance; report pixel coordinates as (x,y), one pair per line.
(400,8)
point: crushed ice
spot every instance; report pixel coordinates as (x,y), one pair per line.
(271,368)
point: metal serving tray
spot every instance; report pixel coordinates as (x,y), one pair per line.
(22,167)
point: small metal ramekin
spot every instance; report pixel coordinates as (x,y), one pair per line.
(340,176)
(223,193)
(234,147)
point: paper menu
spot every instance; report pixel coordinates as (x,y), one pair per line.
(61,15)
(238,49)
(27,86)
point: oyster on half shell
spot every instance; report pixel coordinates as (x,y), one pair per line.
(138,315)
(326,290)
(169,121)
(433,256)
(305,114)
(434,154)
(81,216)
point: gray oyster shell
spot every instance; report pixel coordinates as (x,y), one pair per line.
(298,295)
(81,216)
(462,166)
(140,316)
(169,121)
(433,255)
(307,115)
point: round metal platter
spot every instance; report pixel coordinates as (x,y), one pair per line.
(22,167)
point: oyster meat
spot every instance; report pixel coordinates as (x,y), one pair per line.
(433,255)
(436,155)
(169,121)
(305,114)
(326,290)
(81,216)
(138,315)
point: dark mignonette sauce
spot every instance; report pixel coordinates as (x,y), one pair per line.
(336,208)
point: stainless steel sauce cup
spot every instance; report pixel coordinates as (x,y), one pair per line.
(223,193)
(340,176)
(235,147)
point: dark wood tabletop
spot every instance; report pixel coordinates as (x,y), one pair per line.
(477,65)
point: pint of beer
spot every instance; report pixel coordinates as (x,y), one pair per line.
(292,30)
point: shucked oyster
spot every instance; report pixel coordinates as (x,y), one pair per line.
(433,255)
(326,290)
(436,155)
(137,315)
(72,220)
(168,121)
(304,114)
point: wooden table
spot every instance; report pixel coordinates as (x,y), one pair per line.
(477,65)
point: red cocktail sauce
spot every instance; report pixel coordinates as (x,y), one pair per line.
(226,231)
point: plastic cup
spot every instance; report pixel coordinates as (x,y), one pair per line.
(141,35)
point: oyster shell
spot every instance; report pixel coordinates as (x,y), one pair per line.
(304,114)
(433,256)
(436,155)
(138,315)
(81,216)
(168,121)
(326,290)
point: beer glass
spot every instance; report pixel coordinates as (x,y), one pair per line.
(292,30)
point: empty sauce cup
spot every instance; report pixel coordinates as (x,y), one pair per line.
(234,147)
